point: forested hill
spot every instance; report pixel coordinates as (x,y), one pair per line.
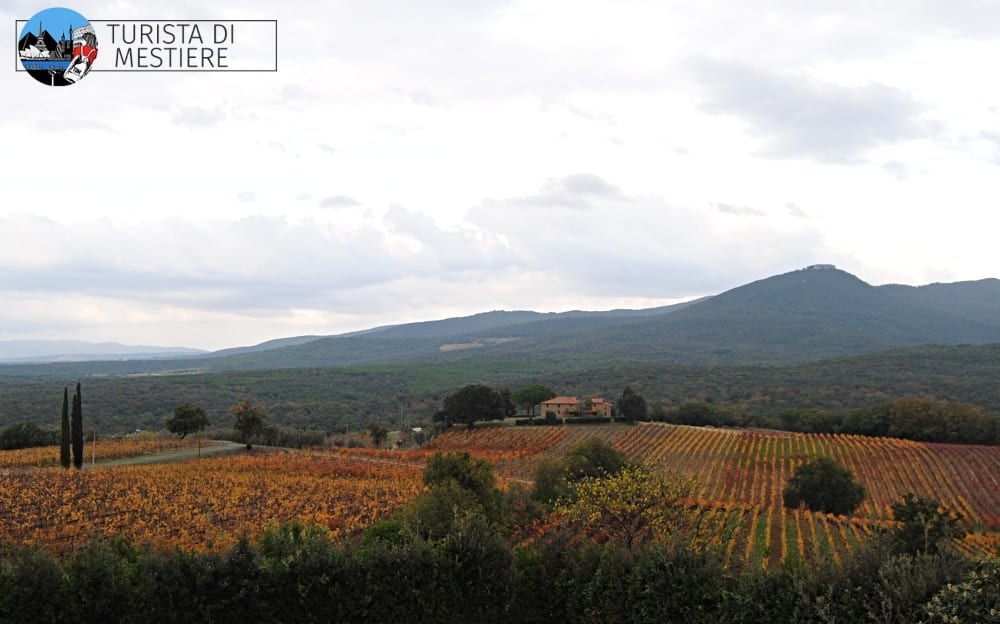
(804,315)
(327,398)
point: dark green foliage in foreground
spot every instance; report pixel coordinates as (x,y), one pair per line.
(975,599)
(824,485)
(297,574)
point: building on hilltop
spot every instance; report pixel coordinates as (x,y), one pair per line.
(569,406)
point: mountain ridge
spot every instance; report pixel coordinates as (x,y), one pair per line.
(802,315)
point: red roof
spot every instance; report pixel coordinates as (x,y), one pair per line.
(561,399)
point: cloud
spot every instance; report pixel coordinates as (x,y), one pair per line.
(796,211)
(195,117)
(739,211)
(577,191)
(796,116)
(338,201)
(246,197)
(66,125)
(641,246)
(900,170)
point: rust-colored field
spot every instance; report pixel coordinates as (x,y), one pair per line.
(208,503)
(204,504)
(741,475)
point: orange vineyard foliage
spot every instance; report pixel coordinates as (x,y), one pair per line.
(205,504)
(106,450)
(741,475)
(737,505)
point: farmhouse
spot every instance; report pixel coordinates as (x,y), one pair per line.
(563,406)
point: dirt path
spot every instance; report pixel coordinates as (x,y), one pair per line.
(217,448)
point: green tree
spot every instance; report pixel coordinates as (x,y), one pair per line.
(187,419)
(25,435)
(531,397)
(76,428)
(460,487)
(631,507)
(471,403)
(824,485)
(550,481)
(631,405)
(593,458)
(65,437)
(925,524)
(378,433)
(249,421)
(474,474)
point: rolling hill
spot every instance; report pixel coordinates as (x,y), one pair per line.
(805,315)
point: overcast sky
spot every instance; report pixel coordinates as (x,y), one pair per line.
(412,163)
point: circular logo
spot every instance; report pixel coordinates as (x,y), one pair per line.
(57,47)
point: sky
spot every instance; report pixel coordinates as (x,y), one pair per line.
(413,161)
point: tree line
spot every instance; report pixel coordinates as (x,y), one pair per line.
(910,418)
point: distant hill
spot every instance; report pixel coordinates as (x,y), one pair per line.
(803,315)
(266,346)
(79,351)
(800,316)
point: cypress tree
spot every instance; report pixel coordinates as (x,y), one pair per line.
(77,428)
(65,439)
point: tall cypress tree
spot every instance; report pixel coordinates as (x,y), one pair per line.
(65,440)
(77,428)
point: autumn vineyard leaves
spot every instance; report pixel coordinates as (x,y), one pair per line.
(207,504)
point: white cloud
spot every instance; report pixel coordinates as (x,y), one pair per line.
(460,156)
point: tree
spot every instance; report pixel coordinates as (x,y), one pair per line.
(925,524)
(187,419)
(824,485)
(471,403)
(76,428)
(249,421)
(378,433)
(460,486)
(65,438)
(509,409)
(631,405)
(531,397)
(632,507)
(25,435)
(470,473)
(593,458)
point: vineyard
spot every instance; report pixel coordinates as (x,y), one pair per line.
(104,450)
(207,504)
(741,475)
